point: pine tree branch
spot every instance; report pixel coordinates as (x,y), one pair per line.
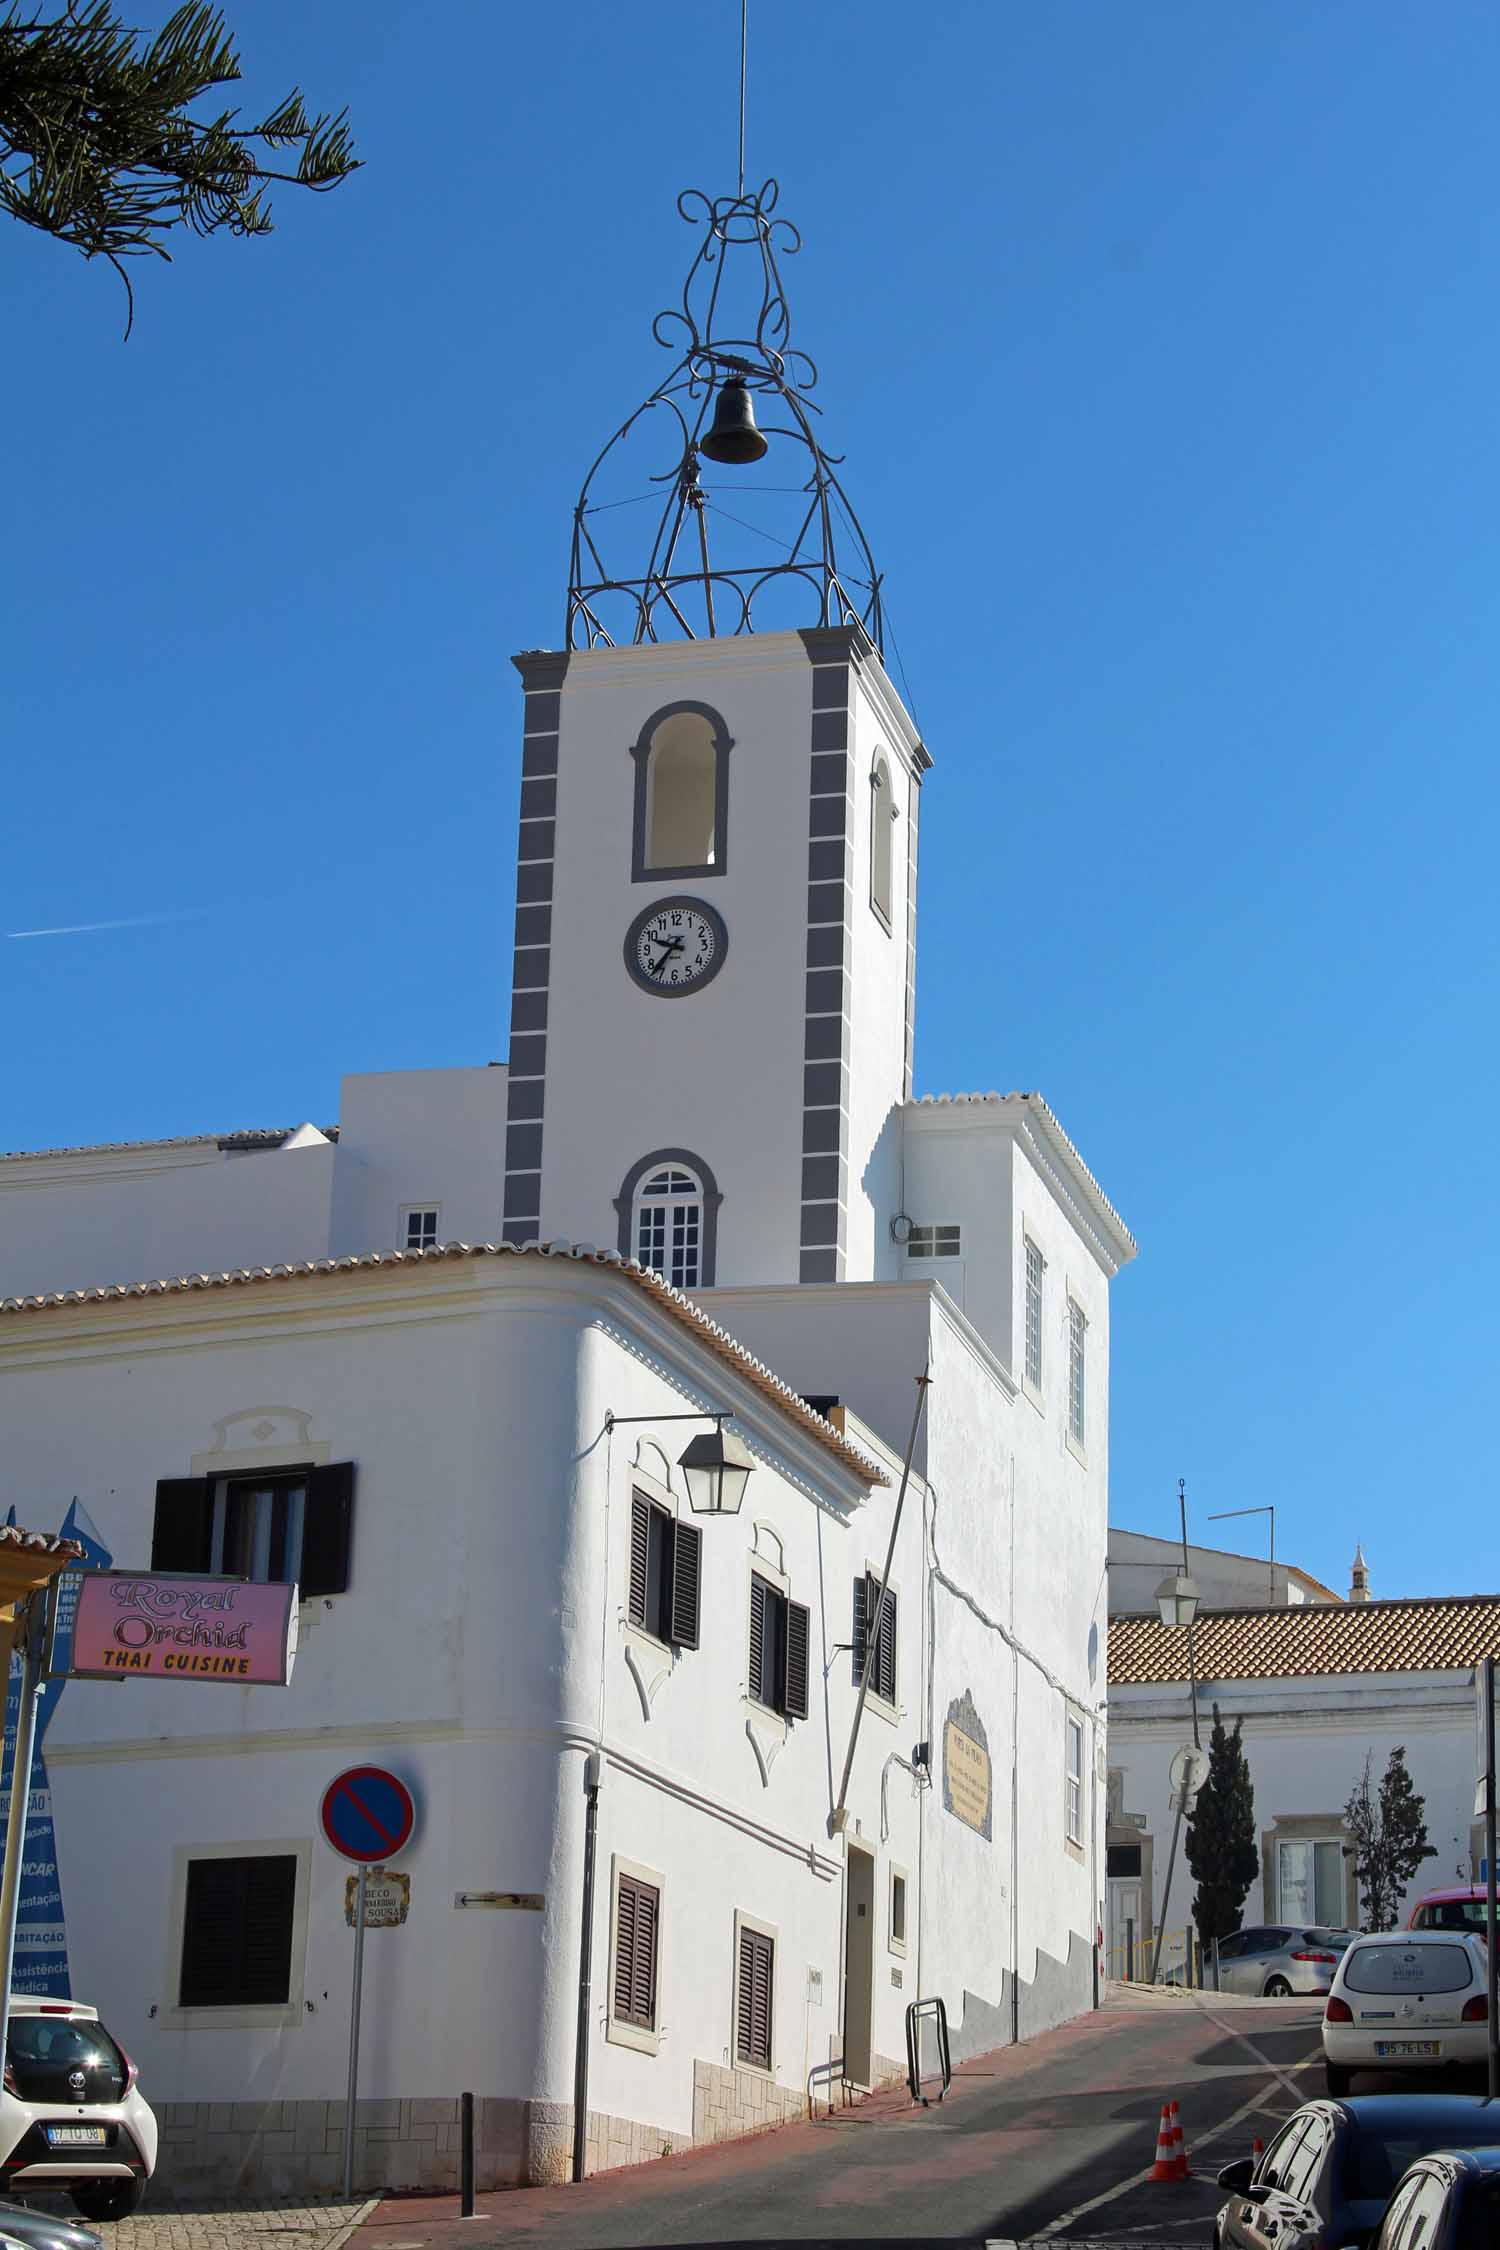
(98,149)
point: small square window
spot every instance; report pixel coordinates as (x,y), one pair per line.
(934,1242)
(419,1226)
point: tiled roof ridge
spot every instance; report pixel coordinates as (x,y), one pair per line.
(677,1301)
(1415,1633)
(39,1542)
(1340,1609)
(250,1136)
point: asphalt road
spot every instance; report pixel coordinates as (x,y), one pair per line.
(1048,2138)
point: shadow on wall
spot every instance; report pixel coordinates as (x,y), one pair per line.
(1058,1992)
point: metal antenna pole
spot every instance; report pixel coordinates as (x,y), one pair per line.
(1192,1653)
(1491,1940)
(744,58)
(873,1624)
(1222,1515)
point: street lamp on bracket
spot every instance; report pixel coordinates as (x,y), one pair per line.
(716,1464)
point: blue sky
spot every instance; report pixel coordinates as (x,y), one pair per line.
(1161,343)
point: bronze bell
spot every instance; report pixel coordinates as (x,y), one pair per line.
(733,436)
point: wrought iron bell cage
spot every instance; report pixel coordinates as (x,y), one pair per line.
(683,589)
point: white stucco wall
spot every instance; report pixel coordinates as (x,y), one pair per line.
(82,1219)
(1138,1561)
(1305,1741)
(419,1137)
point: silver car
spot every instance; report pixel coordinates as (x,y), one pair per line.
(1275,1960)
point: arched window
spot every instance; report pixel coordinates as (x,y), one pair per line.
(669,1225)
(681,793)
(882,821)
(668,1208)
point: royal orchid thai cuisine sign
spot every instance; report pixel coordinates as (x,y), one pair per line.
(132,1624)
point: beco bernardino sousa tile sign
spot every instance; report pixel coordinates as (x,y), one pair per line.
(133,1624)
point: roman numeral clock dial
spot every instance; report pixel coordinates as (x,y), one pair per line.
(676,945)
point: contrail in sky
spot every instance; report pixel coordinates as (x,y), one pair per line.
(85,929)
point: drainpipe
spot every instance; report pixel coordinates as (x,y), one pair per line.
(591,1774)
(1015,1784)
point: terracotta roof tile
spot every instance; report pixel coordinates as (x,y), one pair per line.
(675,1301)
(1442,1633)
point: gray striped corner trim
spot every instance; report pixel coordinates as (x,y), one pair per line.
(824,1217)
(542,673)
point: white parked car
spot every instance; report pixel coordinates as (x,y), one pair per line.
(1406,2000)
(71,2114)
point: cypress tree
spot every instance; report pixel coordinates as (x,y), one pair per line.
(1390,1839)
(1221,1836)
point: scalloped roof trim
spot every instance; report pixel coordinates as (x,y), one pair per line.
(39,1542)
(676,1301)
(250,1136)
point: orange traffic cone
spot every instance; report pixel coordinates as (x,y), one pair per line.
(1165,2167)
(1179,2145)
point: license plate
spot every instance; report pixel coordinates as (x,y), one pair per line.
(77,2136)
(1392,2050)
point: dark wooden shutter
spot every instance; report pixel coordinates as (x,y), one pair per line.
(635,1953)
(797,1635)
(640,1548)
(756,1684)
(182,1533)
(237,1932)
(687,1541)
(327,1527)
(861,1619)
(752,2039)
(884,1682)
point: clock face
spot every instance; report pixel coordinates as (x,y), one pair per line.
(676,946)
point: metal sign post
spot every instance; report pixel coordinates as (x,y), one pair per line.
(1489,1874)
(359,1975)
(365,1813)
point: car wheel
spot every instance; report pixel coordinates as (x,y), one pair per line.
(107,2199)
(1277,1988)
(1337,2078)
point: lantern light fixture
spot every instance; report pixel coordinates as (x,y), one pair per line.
(716,1464)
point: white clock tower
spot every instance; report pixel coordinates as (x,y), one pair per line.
(711,1024)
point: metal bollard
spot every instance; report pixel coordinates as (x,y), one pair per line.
(1129,1950)
(466,2157)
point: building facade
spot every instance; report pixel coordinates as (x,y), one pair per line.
(704,1802)
(1318,1689)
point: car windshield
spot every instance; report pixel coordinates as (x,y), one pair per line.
(1452,1914)
(62,2043)
(1377,2159)
(1408,1968)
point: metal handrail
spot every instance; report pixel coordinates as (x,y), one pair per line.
(918,2011)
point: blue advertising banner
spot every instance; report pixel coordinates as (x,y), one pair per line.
(41,1935)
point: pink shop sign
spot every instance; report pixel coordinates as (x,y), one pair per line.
(135,1625)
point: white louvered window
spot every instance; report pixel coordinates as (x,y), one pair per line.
(1078,1329)
(1074,1781)
(1034,1262)
(668,1229)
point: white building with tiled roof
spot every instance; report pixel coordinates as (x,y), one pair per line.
(756,1788)
(1318,1688)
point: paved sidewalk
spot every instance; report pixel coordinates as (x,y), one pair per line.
(186,2224)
